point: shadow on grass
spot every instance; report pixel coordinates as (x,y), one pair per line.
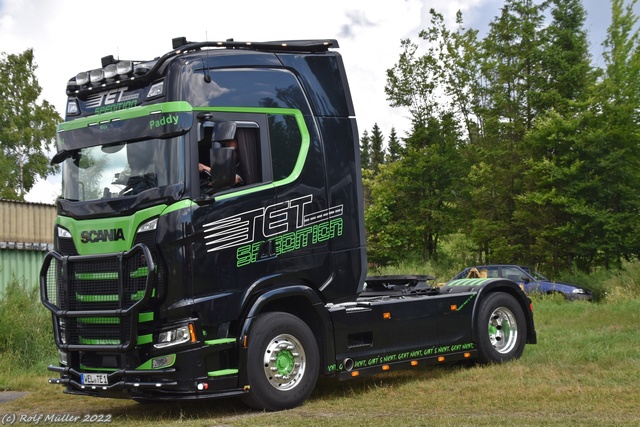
(124,411)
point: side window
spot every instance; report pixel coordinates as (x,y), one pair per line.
(511,273)
(286,141)
(492,272)
(244,138)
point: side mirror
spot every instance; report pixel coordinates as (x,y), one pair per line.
(223,168)
(224,131)
(525,279)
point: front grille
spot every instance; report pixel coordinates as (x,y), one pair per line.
(99,297)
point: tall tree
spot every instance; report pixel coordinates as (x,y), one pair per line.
(414,199)
(394,149)
(365,150)
(550,207)
(27,126)
(377,150)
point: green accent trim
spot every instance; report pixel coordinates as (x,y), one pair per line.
(302,155)
(142,339)
(222,373)
(96,298)
(140,272)
(97,276)
(220,341)
(145,317)
(97,341)
(149,363)
(129,225)
(182,204)
(142,318)
(126,114)
(468,282)
(99,320)
(145,339)
(107,298)
(87,368)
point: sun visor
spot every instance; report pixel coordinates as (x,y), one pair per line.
(111,129)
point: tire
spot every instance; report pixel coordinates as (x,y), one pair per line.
(282,362)
(500,328)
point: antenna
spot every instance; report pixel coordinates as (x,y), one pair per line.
(205,70)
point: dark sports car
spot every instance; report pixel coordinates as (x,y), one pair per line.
(530,281)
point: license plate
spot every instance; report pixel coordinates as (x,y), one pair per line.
(94,379)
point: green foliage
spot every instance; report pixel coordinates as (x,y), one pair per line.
(27,127)
(413,200)
(548,140)
(26,337)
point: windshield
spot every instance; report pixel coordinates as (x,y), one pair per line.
(122,169)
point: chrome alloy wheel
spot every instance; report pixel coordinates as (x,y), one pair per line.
(284,362)
(503,330)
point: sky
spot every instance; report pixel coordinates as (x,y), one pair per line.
(69,36)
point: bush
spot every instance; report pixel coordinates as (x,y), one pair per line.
(26,336)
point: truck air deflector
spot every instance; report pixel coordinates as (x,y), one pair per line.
(151,121)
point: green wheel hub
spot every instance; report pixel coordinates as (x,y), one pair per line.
(284,362)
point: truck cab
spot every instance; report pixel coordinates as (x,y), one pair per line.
(210,236)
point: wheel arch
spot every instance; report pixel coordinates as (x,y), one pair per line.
(511,288)
(302,302)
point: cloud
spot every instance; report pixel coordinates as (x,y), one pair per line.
(69,35)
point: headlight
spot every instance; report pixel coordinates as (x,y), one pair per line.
(96,76)
(579,291)
(63,233)
(148,226)
(176,336)
(110,71)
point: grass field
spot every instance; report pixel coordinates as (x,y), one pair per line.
(585,371)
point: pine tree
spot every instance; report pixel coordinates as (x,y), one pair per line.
(377,150)
(394,150)
(365,150)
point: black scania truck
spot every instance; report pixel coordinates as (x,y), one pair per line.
(210,240)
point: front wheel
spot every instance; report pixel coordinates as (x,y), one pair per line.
(500,328)
(282,362)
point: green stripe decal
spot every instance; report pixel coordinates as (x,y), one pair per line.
(130,113)
(304,146)
(468,282)
(220,341)
(222,373)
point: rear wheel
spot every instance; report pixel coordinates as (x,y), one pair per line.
(282,362)
(500,328)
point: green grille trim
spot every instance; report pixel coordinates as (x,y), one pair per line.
(142,317)
(88,368)
(110,297)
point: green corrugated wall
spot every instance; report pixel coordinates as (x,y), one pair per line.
(20,264)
